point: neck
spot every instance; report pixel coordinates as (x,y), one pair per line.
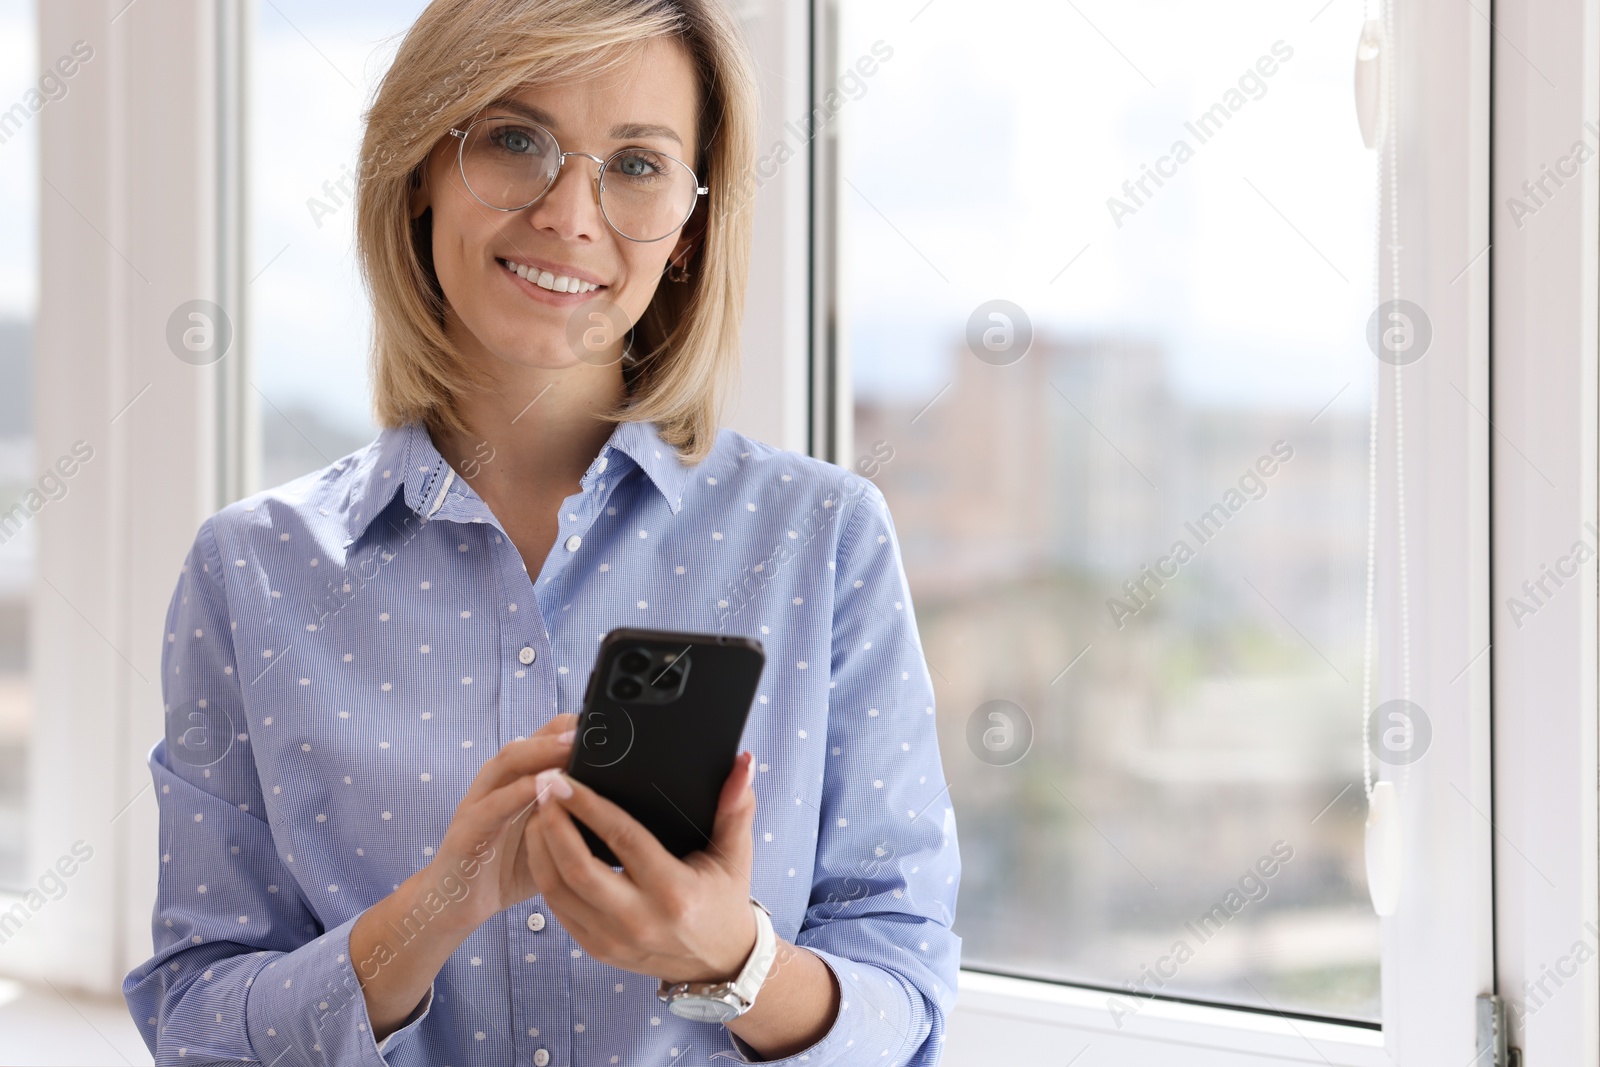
(537,432)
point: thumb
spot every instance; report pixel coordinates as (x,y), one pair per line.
(736,811)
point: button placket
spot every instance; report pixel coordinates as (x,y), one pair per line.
(537,999)
(577,514)
(521,636)
(541,990)
(532,695)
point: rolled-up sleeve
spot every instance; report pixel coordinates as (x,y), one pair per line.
(243,971)
(887,866)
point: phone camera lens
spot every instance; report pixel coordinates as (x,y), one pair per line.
(634,662)
(668,680)
(626,688)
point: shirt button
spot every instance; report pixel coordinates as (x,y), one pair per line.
(541,1057)
(536,922)
(526,655)
(573,542)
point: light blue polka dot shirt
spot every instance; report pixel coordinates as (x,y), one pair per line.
(344,651)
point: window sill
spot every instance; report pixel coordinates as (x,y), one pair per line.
(1022,1021)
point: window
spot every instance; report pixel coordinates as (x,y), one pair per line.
(313,69)
(1103,295)
(1125,735)
(20,99)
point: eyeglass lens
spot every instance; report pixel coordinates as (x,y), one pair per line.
(509,163)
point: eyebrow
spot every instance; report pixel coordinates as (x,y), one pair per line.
(619,132)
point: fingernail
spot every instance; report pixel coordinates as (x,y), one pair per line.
(749,770)
(566,736)
(552,780)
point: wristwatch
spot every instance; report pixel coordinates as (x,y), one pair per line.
(717,1002)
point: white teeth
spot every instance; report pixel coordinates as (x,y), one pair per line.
(546,280)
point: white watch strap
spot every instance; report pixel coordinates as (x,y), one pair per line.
(760,962)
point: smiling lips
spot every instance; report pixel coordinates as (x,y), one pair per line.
(556,283)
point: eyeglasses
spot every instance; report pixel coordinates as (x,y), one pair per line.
(510,163)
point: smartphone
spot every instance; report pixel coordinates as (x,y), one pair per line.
(660,727)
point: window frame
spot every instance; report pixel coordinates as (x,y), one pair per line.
(1546,275)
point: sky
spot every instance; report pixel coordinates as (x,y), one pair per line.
(314,67)
(978,162)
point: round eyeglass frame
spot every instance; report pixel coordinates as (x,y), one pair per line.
(461,166)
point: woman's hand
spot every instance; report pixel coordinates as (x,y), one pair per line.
(685,920)
(483,848)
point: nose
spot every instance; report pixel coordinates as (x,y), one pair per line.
(551,193)
(564,209)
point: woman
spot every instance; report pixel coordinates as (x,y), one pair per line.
(345,878)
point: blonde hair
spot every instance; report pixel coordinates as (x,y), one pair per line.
(462,55)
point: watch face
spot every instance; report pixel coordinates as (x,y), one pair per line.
(703,1009)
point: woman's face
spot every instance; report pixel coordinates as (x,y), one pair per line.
(495,314)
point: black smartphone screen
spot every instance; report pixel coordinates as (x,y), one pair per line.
(660,727)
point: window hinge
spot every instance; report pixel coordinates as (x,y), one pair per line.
(1493,1049)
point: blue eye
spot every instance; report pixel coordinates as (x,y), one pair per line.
(639,166)
(518,140)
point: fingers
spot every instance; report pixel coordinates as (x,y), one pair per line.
(736,812)
(575,915)
(635,847)
(510,799)
(490,814)
(557,724)
(549,746)
(595,887)
(505,786)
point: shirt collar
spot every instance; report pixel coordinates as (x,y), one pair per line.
(405,456)
(642,443)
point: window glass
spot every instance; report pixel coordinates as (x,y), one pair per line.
(313,69)
(21,99)
(1105,272)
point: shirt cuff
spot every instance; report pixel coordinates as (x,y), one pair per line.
(306,1006)
(874,1021)
(412,1020)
